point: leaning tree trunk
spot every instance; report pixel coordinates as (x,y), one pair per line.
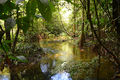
(98,21)
(116,59)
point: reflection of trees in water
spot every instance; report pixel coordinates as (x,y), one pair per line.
(35,72)
(32,73)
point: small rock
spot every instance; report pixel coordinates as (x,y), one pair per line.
(22,58)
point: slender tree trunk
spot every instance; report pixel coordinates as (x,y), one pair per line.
(82,39)
(98,22)
(74,25)
(117,61)
(16,37)
(1,35)
(8,37)
(99,33)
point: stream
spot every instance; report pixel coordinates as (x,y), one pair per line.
(65,61)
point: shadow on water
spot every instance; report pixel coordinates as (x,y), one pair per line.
(65,61)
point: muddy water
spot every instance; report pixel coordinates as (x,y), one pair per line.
(65,61)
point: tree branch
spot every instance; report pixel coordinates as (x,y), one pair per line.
(92,28)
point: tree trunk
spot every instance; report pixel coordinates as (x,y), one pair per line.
(116,59)
(98,22)
(17,32)
(8,37)
(99,35)
(82,39)
(74,24)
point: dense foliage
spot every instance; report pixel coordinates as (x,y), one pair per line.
(92,23)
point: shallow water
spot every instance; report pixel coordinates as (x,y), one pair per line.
(5,74)
(68,57)
(65,61)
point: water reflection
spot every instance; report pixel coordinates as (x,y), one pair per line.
(61,76)
(60,59)
(54,63)
(5,74)
(49,50)
(4,77)
(79,63)
(44,68)
(66,53)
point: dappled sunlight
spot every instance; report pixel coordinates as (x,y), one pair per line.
(67,52)
(66,11)
(59,40)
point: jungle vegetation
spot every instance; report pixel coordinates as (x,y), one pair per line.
(89,23)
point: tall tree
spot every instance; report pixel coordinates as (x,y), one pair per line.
(117,61)
(82,39)
(74,24)
(98,21)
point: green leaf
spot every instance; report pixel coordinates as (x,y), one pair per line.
(45,10)
(5,45)
(31,8)
(17,59)
(8,6)
(24,23)
(52,7)
(102,20)
(5,9)
(12,57)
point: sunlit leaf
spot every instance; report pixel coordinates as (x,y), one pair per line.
(9,6)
